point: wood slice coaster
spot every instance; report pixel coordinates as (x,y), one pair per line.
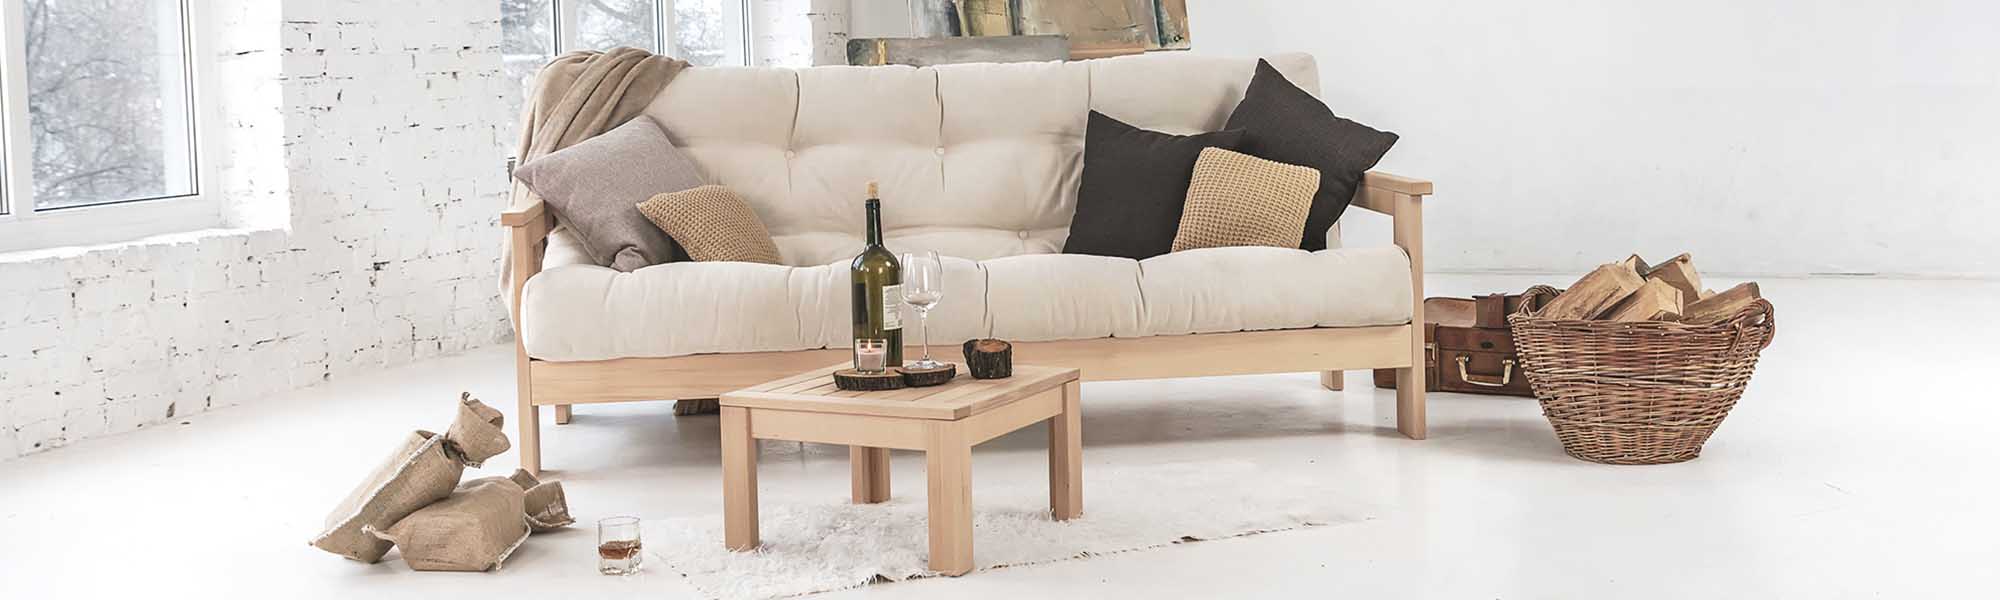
(852,380)
(929,377)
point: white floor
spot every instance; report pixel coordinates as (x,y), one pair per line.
(1860,464)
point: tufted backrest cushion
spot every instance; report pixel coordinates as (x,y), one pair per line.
(977,161)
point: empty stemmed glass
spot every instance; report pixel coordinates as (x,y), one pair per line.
(923,287)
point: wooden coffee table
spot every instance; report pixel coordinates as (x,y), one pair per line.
(944,421)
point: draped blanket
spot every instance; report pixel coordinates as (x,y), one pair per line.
(576,96)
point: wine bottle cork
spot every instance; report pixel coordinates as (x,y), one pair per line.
(871,189)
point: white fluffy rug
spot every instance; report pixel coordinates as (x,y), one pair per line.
(824,543)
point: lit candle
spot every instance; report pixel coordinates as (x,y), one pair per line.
(870,356)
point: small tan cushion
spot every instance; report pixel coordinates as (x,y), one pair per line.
(1236,199)
(712,224)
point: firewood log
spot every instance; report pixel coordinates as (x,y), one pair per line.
(1638,264)
(1680,273)
(1657,300)
(1596,293)
(1720,307)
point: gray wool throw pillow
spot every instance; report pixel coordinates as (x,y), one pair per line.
(595,187)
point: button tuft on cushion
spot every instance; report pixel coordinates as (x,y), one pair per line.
(940,150)
(791,154)
(1024,234)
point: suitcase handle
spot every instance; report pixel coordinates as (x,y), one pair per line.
(1506,373)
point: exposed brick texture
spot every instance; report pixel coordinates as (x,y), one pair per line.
(364,142)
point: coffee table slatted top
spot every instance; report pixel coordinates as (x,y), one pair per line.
(963,396)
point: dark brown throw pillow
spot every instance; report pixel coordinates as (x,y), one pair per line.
(1134,184)
(1284,123)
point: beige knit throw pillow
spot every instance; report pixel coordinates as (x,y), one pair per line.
(1236,199)
(712,224)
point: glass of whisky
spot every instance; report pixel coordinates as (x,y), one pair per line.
(618,549)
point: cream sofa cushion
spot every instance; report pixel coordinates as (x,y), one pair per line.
(1040,297)
(1250,288)
(586,312)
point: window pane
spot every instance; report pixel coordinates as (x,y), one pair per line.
(607,24)
(108,101)
(709,32)
(527,41)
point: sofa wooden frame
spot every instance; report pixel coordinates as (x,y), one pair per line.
(1326,350)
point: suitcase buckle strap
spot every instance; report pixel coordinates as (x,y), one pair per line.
(1506,373)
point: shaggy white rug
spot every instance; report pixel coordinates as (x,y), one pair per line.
(824,543)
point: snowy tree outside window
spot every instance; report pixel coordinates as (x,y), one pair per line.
(109,107)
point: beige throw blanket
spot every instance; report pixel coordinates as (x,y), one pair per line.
(576,96)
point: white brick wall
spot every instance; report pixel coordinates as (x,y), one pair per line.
(361,151)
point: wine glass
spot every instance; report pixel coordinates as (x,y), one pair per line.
(923,287)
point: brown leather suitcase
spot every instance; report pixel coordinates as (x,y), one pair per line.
(1468,347)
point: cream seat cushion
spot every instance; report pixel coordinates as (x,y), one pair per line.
(579,312)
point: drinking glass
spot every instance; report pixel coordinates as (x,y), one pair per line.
(618,549)
(923,287)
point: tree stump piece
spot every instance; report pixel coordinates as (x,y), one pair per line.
(989,358)
(852,380)
(929,377)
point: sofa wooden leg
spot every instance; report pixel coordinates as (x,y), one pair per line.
(1333,380)
(529,418)
(1410,402)
(562,414)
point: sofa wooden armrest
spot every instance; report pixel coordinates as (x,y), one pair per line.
(1402,198)
(1379,191)
(529,214)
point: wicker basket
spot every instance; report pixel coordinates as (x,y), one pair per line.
(1641,393)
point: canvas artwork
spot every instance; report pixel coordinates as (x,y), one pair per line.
(924,52)
(1095,28)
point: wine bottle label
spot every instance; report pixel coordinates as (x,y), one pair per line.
(892,303)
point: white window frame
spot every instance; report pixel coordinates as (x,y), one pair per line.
(663,28)
(24,228)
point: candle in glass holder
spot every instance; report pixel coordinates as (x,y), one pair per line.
(871,356)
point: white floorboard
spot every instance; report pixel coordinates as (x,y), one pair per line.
(1861,464)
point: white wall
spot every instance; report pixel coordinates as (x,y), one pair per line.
(364,159)
(1765,136)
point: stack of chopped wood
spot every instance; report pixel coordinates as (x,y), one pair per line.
(1631,290)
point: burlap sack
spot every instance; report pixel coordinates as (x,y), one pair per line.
(473,530)
(478,433)
(547,508)
(423,470)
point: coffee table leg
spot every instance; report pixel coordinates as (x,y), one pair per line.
(1066,456)
(948,461)
(869,469)
(739,480)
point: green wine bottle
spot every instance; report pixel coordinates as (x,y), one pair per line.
(878,288)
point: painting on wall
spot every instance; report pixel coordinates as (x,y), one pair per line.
(1095,28)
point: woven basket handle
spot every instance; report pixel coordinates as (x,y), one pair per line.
(1757,314)
(1533,299)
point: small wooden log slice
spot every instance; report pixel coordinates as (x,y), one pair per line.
(852,380)
(989,358)
(929,377)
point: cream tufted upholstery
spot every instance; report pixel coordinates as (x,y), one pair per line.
(979,162)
